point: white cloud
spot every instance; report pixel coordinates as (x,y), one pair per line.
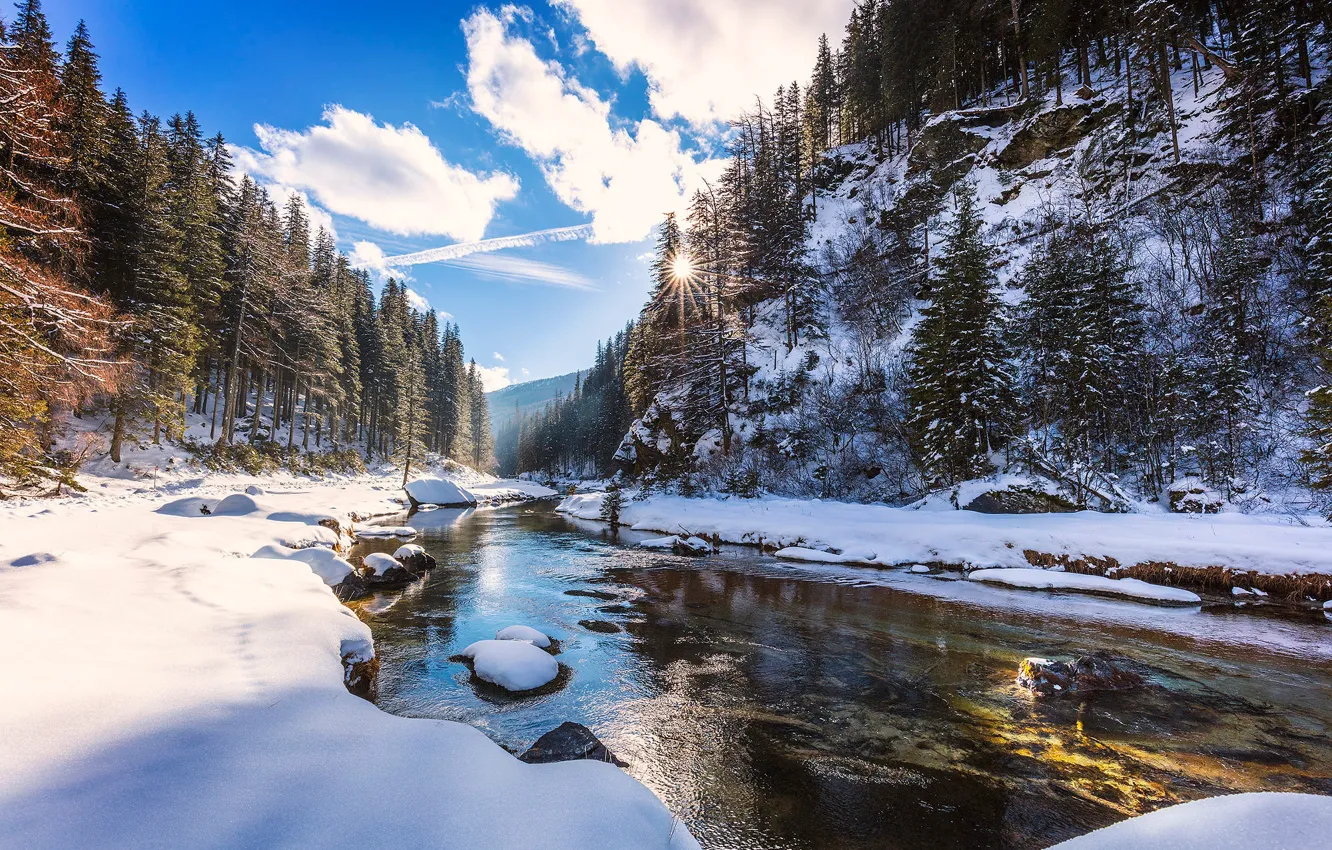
(494,377)
(706,60)
(392,178)
(520,270)
(369,256)
(525,373)
(417,300)
(444,315)
(499,357)
(625,180)
(499,243)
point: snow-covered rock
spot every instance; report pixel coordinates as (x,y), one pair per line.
(1034,579)
(379,563)
(254,490)
(402,532)
(523,633)
(415,558)
(1260,821)
(691,545)
(569,742)
(514,665)
(659,542)
(439,491)
(324,562)
(238,504)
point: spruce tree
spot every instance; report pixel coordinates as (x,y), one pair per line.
(961,394)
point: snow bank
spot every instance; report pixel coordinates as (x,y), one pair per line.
(659,542)
(1261,821)
(324,562)
(1035,579)
(523,633)
(799,553)
(514,665)
(439,491)
(379,563)
(1263,543)
(221,718)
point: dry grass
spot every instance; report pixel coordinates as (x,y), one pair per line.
(1296,587)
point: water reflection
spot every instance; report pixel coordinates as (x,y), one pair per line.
(772,706)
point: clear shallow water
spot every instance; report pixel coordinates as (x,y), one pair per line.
(777,706)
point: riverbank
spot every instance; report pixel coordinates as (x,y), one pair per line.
(1285,557)
(170,690)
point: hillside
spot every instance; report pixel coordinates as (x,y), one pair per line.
(526,398)
(1107,290)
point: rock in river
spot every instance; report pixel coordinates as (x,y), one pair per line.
(1096,672)
(569,742)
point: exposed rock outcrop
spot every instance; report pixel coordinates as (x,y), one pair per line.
(569,742)
(1020,500)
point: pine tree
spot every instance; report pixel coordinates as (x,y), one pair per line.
(478,413)
(961,395)
(413,426)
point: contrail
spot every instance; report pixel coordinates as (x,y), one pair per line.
(462,249)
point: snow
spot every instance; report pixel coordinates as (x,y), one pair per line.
(919,568)
(523,633)
(800,553)
(402,531)
(1258,821)
(325,563)
(379,563)
(514,665)
(177,692)
(1263,543)
(659,542)
(408,550)
(1035,579)
(439,491)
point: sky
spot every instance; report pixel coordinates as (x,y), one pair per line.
(543,142)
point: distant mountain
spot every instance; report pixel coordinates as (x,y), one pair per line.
(528,397)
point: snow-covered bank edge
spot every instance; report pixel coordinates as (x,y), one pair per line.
(1287,560)
(227,702)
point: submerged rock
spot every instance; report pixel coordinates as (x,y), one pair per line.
(1096,672)
(569,742)
(604,627)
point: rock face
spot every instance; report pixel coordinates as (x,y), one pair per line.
(1048,132)
(569,742)
(1096,672)
(1016,500)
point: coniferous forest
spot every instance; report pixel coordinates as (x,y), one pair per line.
(1141,297)
(139,275)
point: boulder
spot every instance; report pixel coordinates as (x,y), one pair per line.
(1050,132)
(439,491)
(351,588)
(384,572)
(1020,500)
(414,558)
(569,742)
(605,627)
(1098,671)
(1191,496)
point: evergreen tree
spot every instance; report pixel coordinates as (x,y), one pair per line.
(961,395)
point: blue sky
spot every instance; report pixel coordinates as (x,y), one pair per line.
(416,125)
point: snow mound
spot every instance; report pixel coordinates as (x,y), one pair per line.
(254,490)
(408,550)
(403,531)
(1261,821)
(306,537)
(818,556)
(919,568)
(237,504)
(1035,579)
(512,664)
(189,506)
(659,543)
(439,491)
(523,633)
(325,563)
(379,563)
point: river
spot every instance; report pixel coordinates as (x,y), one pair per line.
(773,705)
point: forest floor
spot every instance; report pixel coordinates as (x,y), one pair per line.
(170,690)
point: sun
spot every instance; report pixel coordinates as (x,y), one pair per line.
(682,268)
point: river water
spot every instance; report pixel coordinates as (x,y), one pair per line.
(771,705)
